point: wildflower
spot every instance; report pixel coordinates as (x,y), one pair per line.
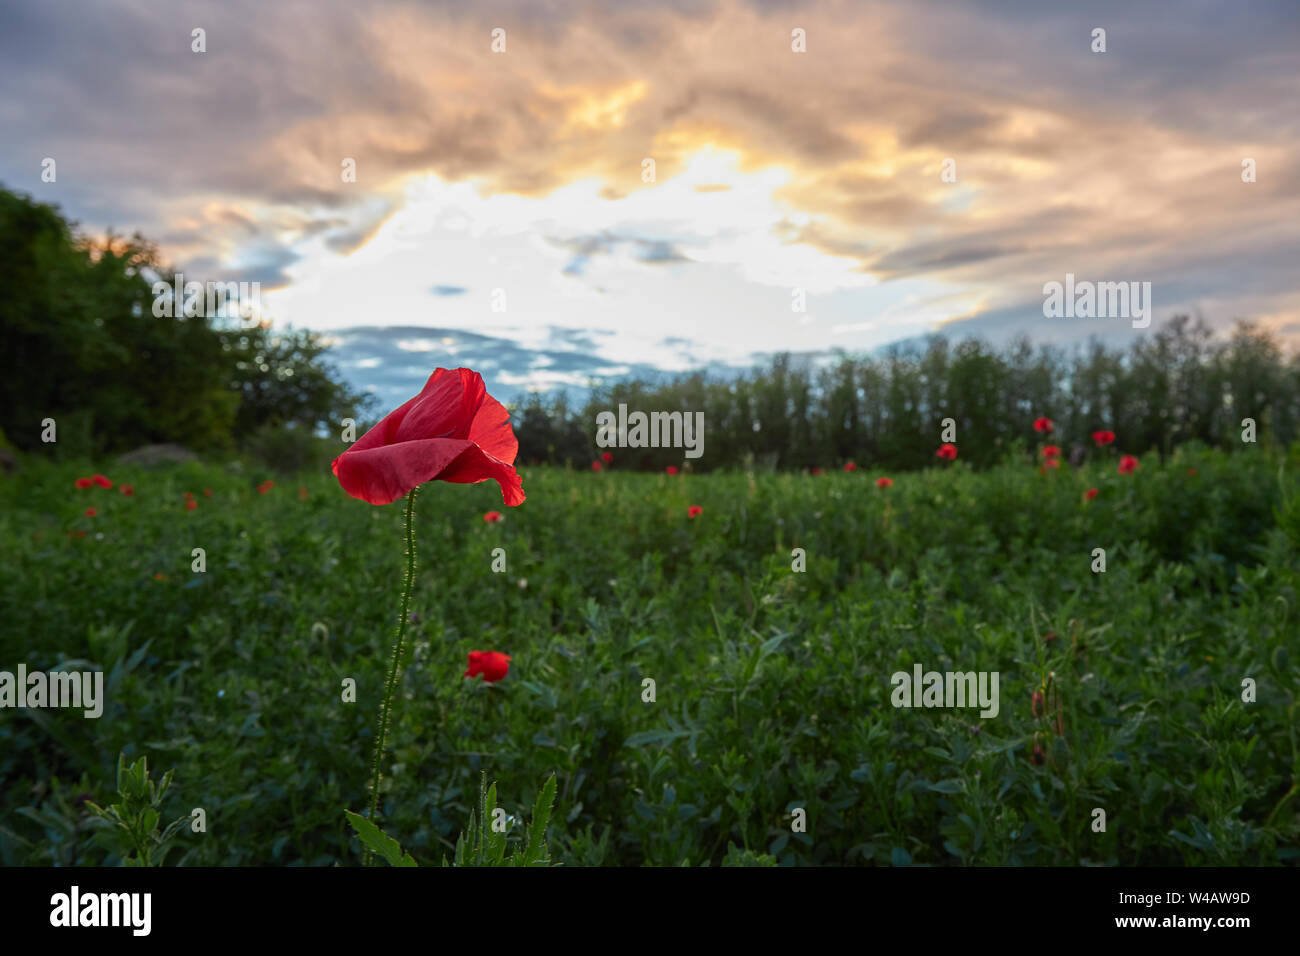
(493,665)
(452,431)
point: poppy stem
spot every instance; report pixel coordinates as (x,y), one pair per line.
(394,670)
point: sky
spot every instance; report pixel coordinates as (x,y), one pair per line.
(503,214)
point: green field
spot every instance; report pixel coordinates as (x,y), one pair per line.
(772,687)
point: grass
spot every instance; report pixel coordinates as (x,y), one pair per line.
(771,687)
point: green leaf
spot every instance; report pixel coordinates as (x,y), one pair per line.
(537,853)
(379,841)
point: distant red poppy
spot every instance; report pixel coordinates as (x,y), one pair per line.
(851,466)
(1103,438)
(191,504)
(1191,472)
(91,512)
(607,457)
(83,482)
(78,534)
(127,490)
(1051,463)
(189,495)
(883,482)
(160,576)
(671,469)
(595,466)
(302,493)
(1127,465)
(207,492)
(1043,425)
(817,471)
(947,451)
(452,431)
(266,486)
(1051,451)
(1090,494)
(694,511)
(102,481)
(493,665)
(492,517)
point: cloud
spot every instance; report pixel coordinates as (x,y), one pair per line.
(1119,164)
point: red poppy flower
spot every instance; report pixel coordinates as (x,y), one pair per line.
(452,431)
(160,576)
(607,457)
(850,466)
(1043,425)
(1103,438)
(671,469)
(191,504)
(78,534)
(817,471)
(127,490)
(1051,463)
(1127,465)
(1191,472)
(1090,494)
(492,517)
(493,665)
(207,492)
(267,485)
(694,511)
(595,466)
(884,482)
(83,482)
(91,512)
(947,451)
(302,493)
(189,495)
(102,481)
(1051,451)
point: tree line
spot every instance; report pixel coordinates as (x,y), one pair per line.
(1179,384)
(83,346)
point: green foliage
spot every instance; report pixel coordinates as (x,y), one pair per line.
(1175,386)
(485,841)
(772,687)
(133,821)
(84,347)
(378,841)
